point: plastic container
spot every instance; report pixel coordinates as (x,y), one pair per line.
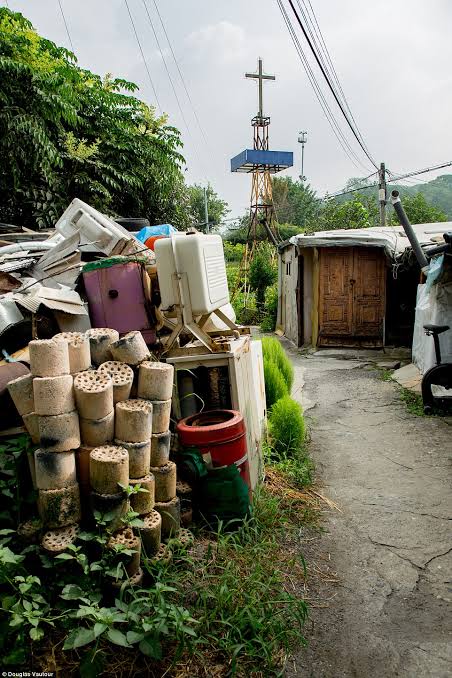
(116,299)
(201,257)
(220,433)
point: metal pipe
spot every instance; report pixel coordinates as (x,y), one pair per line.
(407,227)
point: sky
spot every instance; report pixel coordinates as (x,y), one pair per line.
(393,60)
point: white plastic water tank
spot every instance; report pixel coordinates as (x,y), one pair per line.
(201,257)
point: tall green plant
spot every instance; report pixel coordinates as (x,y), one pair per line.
(66,132)
(273,351)
(286,427)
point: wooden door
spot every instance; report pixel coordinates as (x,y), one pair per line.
(335,298)
(368,292)
(351,296)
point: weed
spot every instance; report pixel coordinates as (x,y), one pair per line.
(385,375)
(413,402)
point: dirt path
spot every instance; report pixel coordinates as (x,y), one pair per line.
(390,472)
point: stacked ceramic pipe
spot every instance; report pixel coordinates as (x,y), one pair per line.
(54,424)
(155,385)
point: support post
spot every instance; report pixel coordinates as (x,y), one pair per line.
(382,193)
(206,211)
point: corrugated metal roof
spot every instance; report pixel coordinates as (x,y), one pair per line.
(392,238)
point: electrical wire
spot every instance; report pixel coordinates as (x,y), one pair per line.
(331,87)
(318,92)
(181,76)
(142,56)
(415,173)
(166,66)
(66,26)
(323,46)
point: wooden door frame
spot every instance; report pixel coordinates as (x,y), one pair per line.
(348,340)
(300,299)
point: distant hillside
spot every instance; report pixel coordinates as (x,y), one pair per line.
(438,192)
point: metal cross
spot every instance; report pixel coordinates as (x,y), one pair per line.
(260,77)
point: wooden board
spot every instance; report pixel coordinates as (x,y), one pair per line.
(352,296)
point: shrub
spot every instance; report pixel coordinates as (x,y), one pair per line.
(286,427)
(273,351)
(263,271)
(275,385)
(271,308)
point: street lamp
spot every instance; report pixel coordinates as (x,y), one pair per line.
(302,139)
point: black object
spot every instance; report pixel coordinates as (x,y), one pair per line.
(438,375)
(132,223)
(407,227)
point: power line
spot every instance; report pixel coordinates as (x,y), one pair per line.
(333,91)
(142,55)
(335,76)
(422,171)
(166,65)
(318,92)
(66,26)
(181,76)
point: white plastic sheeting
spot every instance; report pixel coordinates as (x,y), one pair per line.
(433,306)
(392,238)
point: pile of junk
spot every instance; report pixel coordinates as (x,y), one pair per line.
(123,362)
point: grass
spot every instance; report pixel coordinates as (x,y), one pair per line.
(413,402)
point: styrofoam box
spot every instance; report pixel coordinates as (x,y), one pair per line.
(201,257)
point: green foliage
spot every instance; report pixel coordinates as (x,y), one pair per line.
(273,351)
(15,494)
(413,402)
(295,203)
(286,426)
(271,308)
(233,252)
(263,270)
(275,385)
(66,132)
(359,212)
(240,614)
(217,208)
(419,211)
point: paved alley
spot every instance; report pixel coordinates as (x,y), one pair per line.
(390,472)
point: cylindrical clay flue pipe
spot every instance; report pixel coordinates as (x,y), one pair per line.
(155,381)
(53,395)
(60,507)
(130,349)
(95,432)
(150,533)
(108,469)
(133,421)
(170,514)
(93,394)
(21,392)
(59,433)
(54,469)
(122,377)
(161,414)
(143,502)
(79,350)
(48,357)
(165,481)
(100,339)
(139,457)
(160,448)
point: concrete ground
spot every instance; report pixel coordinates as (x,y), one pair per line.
(390,614)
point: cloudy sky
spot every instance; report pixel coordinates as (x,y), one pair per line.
(393,59)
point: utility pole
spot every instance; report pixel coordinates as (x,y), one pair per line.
(206,211)
(382,193)
(302,139)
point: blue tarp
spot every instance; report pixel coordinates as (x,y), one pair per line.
(149,231)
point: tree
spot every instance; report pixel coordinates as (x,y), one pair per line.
(360,212)
(295,202)
(217,208)
(66,132)
(420,211)
(263,270)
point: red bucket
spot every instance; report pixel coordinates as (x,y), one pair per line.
(220,433)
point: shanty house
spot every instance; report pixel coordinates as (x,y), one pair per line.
(351,287)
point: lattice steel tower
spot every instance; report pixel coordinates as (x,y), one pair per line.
(261,163)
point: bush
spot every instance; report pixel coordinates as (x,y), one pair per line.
(263,271)
(286,427)
(273,351)
(275,385)
(271,308)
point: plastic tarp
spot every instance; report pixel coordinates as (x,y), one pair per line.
(149,231)
(392,238)
(433,306)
